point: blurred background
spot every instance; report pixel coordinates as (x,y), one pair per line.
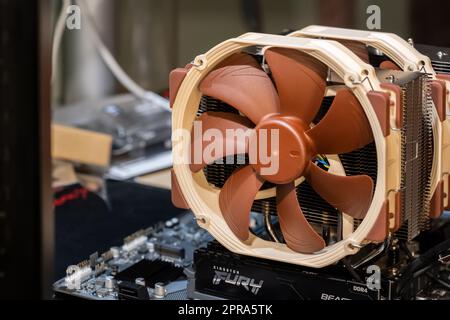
(151,37)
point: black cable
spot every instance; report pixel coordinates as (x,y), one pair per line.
(351,270)
(405,249)
(438,280)
(419,263)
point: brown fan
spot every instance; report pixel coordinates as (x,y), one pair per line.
(360,49)
(290,106)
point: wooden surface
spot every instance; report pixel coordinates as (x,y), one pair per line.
(81,146)
(159,179)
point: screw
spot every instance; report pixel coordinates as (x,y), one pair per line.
(441,54)
(390,78)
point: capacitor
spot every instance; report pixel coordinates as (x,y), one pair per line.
(394,253)
(160,290)
(110,283)
(169,224)
(175,221)
(115,252)
(151,247)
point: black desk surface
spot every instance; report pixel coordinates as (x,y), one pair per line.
(85,223)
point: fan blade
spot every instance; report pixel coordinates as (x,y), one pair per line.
(232,129)
(297,232)
(238,59)
(349,194)
(389,65)
(344,127)
(300,81)
(236,199)
(246,88)
(358,48)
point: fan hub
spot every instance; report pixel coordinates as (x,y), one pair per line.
(283,149)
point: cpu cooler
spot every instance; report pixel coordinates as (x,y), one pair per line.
(389,51)
(328,201)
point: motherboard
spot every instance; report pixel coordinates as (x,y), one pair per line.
(149,265)
(178,260)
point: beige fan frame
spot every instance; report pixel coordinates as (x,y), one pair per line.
(203,200)
(409,59)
